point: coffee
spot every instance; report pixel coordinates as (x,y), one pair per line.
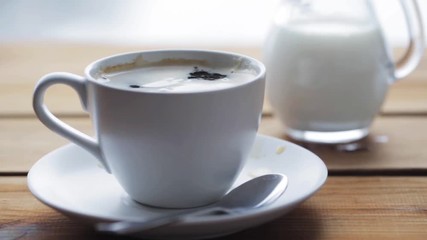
(175,77)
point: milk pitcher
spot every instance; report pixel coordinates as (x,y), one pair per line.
(329,67)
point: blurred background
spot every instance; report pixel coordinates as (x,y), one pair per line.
(187,23)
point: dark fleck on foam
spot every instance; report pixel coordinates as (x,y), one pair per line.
(205,75)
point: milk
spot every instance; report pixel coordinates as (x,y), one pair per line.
(329,75)
(175,78)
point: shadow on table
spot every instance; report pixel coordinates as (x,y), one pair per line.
(302,223)
(373,155)
(50,228)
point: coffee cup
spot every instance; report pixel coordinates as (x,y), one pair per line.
(174,127)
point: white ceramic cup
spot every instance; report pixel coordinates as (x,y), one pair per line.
(173,150)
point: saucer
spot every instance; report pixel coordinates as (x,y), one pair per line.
(71,181)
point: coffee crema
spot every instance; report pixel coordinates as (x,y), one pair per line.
(175,77)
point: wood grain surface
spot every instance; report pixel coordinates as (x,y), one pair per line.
(376,192)
(345,208)
(22,65)
(396,143)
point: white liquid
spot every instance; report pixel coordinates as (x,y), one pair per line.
(174,78)
(327,76)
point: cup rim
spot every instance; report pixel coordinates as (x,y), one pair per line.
(260,75)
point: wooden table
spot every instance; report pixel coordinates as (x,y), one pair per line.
(378,192)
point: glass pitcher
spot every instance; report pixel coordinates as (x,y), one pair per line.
(329,66)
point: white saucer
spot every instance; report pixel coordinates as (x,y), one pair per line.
(71,181)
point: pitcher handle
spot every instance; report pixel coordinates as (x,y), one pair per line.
(415,50)
(55,124)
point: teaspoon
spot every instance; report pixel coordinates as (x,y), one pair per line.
(250,195)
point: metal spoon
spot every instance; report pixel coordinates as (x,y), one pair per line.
(252,194)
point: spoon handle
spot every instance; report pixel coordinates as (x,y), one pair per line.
(129,227)
(268,188)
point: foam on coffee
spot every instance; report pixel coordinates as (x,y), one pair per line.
(174,76)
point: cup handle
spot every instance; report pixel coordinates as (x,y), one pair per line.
(415,51)
(78,83)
